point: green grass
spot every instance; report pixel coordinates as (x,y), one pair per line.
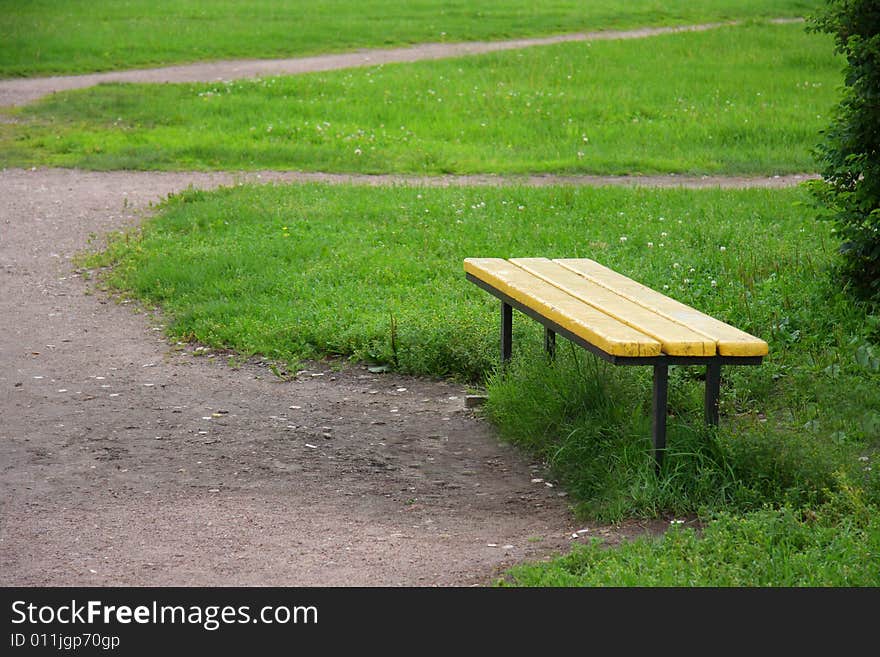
(839,546)
(732,100)
(41,37)
(295,272)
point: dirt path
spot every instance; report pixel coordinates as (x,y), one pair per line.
(127,460)
(23,91)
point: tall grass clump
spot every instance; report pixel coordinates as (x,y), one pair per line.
(811,410)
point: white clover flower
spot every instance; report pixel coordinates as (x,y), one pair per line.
(722,248)
(623,238)
(714,283)
(650,244)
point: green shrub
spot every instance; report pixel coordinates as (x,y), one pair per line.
(849,155)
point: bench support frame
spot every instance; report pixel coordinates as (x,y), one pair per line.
(660,363)
(659,412)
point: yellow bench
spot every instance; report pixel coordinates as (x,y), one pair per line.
(618,319)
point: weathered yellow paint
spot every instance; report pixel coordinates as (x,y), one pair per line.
(730,340)
(594,326)
(675,339)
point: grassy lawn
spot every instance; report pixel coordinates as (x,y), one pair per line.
(42,37)
(780,548)
(271,269)
(748,99)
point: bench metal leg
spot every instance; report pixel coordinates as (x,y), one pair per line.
(713,392)
(661,394)
(550,342)
(506,331)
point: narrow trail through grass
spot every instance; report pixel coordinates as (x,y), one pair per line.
(207,180)
(14,92)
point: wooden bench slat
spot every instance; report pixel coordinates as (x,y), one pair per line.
(604,331)
(730,340)
(674,338)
